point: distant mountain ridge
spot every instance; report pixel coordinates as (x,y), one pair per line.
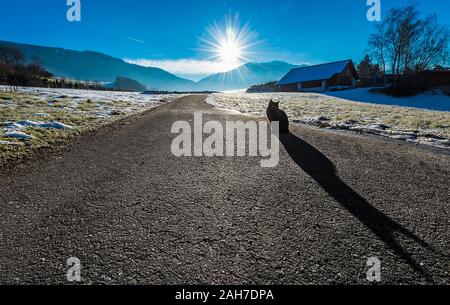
(127,84)
(95,66)
(246,75)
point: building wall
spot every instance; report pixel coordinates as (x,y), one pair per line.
(342,79)
(345,78)
(313,84)
(305,85)
(289,88)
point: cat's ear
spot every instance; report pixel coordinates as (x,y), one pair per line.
(277,103)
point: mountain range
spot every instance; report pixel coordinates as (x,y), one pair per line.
(95,66)
(245,76)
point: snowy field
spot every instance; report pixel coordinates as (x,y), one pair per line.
(36,117)
(432,100)
(355,110)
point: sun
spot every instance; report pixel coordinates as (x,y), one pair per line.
(229,44)
(229,49)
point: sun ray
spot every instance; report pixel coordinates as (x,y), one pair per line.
(229,43)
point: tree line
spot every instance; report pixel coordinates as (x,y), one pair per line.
(16,71)
(404,44)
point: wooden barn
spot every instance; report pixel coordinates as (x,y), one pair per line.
(319,77)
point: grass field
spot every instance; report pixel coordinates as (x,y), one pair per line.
(412,124)
(80,110)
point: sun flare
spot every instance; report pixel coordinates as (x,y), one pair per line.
(230,44)
(230,51)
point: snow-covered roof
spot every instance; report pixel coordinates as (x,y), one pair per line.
(314,73)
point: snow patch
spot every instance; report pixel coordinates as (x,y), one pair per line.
(16,129)
(432,100)
(10,143)
(20,125)
(18,135)
(55,125)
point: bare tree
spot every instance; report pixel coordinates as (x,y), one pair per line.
(405,42)
(431,46)
(10,55)
(379,51)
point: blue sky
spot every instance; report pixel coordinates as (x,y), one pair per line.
(169,33)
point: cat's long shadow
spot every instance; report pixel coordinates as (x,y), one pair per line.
(323,171)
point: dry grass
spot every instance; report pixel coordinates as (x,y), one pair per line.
(17,106)
(81,114)
(308,106)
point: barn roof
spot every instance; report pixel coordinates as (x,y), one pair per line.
(315,73)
